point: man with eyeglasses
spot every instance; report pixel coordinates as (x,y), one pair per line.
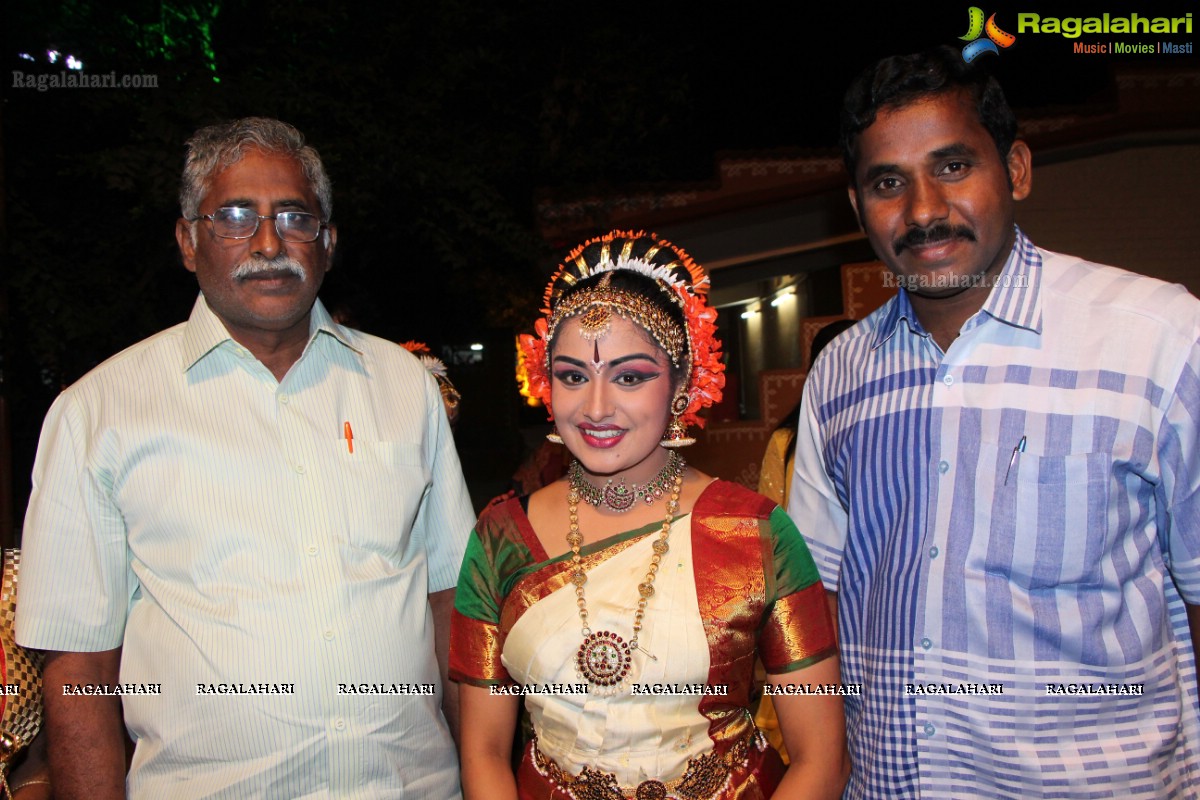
(245,530)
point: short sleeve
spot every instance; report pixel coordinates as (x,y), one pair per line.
(799,630)
(76,582)
(475,643)
(445,516)
(496,552)
(812,498)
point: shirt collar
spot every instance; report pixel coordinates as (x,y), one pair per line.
(1015,298)
(204,332)
(897,311)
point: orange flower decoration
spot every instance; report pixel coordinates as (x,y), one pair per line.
(533,348)
(681,277)
(706,383)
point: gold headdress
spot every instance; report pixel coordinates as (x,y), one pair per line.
(680,279)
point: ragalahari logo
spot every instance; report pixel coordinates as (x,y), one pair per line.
(976,28)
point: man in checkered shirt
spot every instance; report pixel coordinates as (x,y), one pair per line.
(998,474)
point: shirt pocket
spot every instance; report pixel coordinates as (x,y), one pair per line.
(1047,524)
(382,485)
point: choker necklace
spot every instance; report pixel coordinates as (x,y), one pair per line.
(620,496)
(604,659)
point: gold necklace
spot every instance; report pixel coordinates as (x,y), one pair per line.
(604,659)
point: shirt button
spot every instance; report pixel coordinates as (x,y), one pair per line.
(929,729)
(328,635)
(948,380)
(943,467)
(339,724)
(933,552)
(311,549)
(926,643)
(283,398)
(300,468)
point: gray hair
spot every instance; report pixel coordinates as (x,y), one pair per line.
(217,147)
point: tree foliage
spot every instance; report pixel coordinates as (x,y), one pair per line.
(437,121)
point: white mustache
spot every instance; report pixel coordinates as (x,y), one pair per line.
(257,265)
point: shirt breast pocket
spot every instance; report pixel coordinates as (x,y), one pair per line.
(383,484)
(1047,526)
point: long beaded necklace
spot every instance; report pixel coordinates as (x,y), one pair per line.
(621,496)
(604,659)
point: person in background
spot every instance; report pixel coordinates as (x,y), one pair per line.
(775,476)
(774,480)
(437,368)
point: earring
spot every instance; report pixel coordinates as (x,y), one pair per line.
(676,435)
(553,438)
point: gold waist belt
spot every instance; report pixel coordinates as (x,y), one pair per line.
(705,777)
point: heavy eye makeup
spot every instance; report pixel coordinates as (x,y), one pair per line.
(570,376)
(628,371)
(634,377)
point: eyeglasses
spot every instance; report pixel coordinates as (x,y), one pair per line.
(236,222)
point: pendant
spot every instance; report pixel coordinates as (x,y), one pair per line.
(618,496)
(603,660)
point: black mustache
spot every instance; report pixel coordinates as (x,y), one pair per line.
(942,232)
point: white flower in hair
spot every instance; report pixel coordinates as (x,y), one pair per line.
(653,271)
(435,366)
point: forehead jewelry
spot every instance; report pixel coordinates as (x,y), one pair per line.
(597,320)
(594,308)
(604,659)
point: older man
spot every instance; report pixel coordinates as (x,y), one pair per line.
(245,530)
(998,473)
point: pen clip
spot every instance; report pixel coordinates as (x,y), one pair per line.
(1020,448)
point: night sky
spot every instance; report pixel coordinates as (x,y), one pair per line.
(438,121)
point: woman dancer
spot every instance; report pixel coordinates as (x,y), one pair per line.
(627,601)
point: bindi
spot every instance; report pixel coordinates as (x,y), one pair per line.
(597,362)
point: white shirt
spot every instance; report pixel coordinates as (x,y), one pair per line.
(220,526)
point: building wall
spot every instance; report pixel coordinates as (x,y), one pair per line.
(1137,208)
(768,335)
